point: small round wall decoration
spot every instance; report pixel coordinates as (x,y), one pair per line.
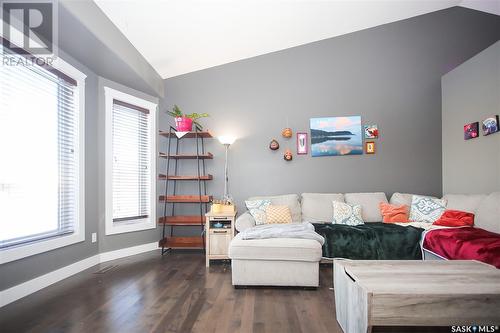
(288,155)
(287,132)
(274,145)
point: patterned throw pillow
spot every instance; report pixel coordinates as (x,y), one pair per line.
(278,214)
(258,210)
(348,214)
(426,209)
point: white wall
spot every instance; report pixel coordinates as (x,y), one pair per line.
(470,93)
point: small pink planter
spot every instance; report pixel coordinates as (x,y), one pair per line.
(183,124)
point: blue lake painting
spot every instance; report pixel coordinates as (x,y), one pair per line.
(336,136)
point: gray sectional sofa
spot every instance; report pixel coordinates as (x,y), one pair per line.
(295,262)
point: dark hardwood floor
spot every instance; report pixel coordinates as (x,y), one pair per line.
(173,293)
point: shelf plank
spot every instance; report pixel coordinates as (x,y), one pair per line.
(187,198)
(204,134)
(207,156)
(172,177)
(195,220)
(193,242)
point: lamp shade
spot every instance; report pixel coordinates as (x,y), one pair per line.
(227,139)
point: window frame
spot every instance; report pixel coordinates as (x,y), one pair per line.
(111,228)
(44,245)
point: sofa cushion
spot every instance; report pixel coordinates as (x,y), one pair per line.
(399,199)
(464,202)
(244,221)
(278,214)
(290,200)
(369,202)
(317,207)
(287,249)
(488,213)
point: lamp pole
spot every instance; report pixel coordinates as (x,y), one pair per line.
(226,141)
(226,177)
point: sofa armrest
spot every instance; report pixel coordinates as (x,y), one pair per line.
(244,221)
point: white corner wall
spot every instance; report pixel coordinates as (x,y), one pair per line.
(470,93)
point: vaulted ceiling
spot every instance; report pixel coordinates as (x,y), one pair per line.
(182,36)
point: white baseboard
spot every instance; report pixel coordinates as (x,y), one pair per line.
(31,286)
(128,251)
(24,289)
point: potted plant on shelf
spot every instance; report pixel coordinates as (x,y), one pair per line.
(184,122)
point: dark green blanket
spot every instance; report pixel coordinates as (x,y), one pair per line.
(377,241)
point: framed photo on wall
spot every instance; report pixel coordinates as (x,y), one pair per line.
(370,147)
(490,125)
(302,143)
(336,136)
(471,131)
(371,131)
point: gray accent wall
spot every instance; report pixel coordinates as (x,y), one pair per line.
(471,92)
(390,75)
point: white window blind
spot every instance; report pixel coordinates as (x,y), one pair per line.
(39,149)
(131,147)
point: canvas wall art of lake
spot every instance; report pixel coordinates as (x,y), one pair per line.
(336,136)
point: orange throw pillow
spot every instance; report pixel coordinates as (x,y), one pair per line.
(393,214)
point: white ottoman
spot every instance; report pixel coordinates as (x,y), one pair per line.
(275,262)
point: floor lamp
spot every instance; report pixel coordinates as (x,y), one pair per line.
(226,141)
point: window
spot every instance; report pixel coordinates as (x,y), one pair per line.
(130,163)
(41,149)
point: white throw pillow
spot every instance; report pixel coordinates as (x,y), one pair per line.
(347,214)
(258,210)
(426,209)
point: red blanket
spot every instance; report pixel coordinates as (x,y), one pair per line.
(465,243)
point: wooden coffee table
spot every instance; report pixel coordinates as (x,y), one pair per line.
(415,293)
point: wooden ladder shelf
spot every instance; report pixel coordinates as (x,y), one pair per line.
(207,156)
(170,199)
(186,198)
(172,177)
(189,135)
(181,220)
(192,242)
